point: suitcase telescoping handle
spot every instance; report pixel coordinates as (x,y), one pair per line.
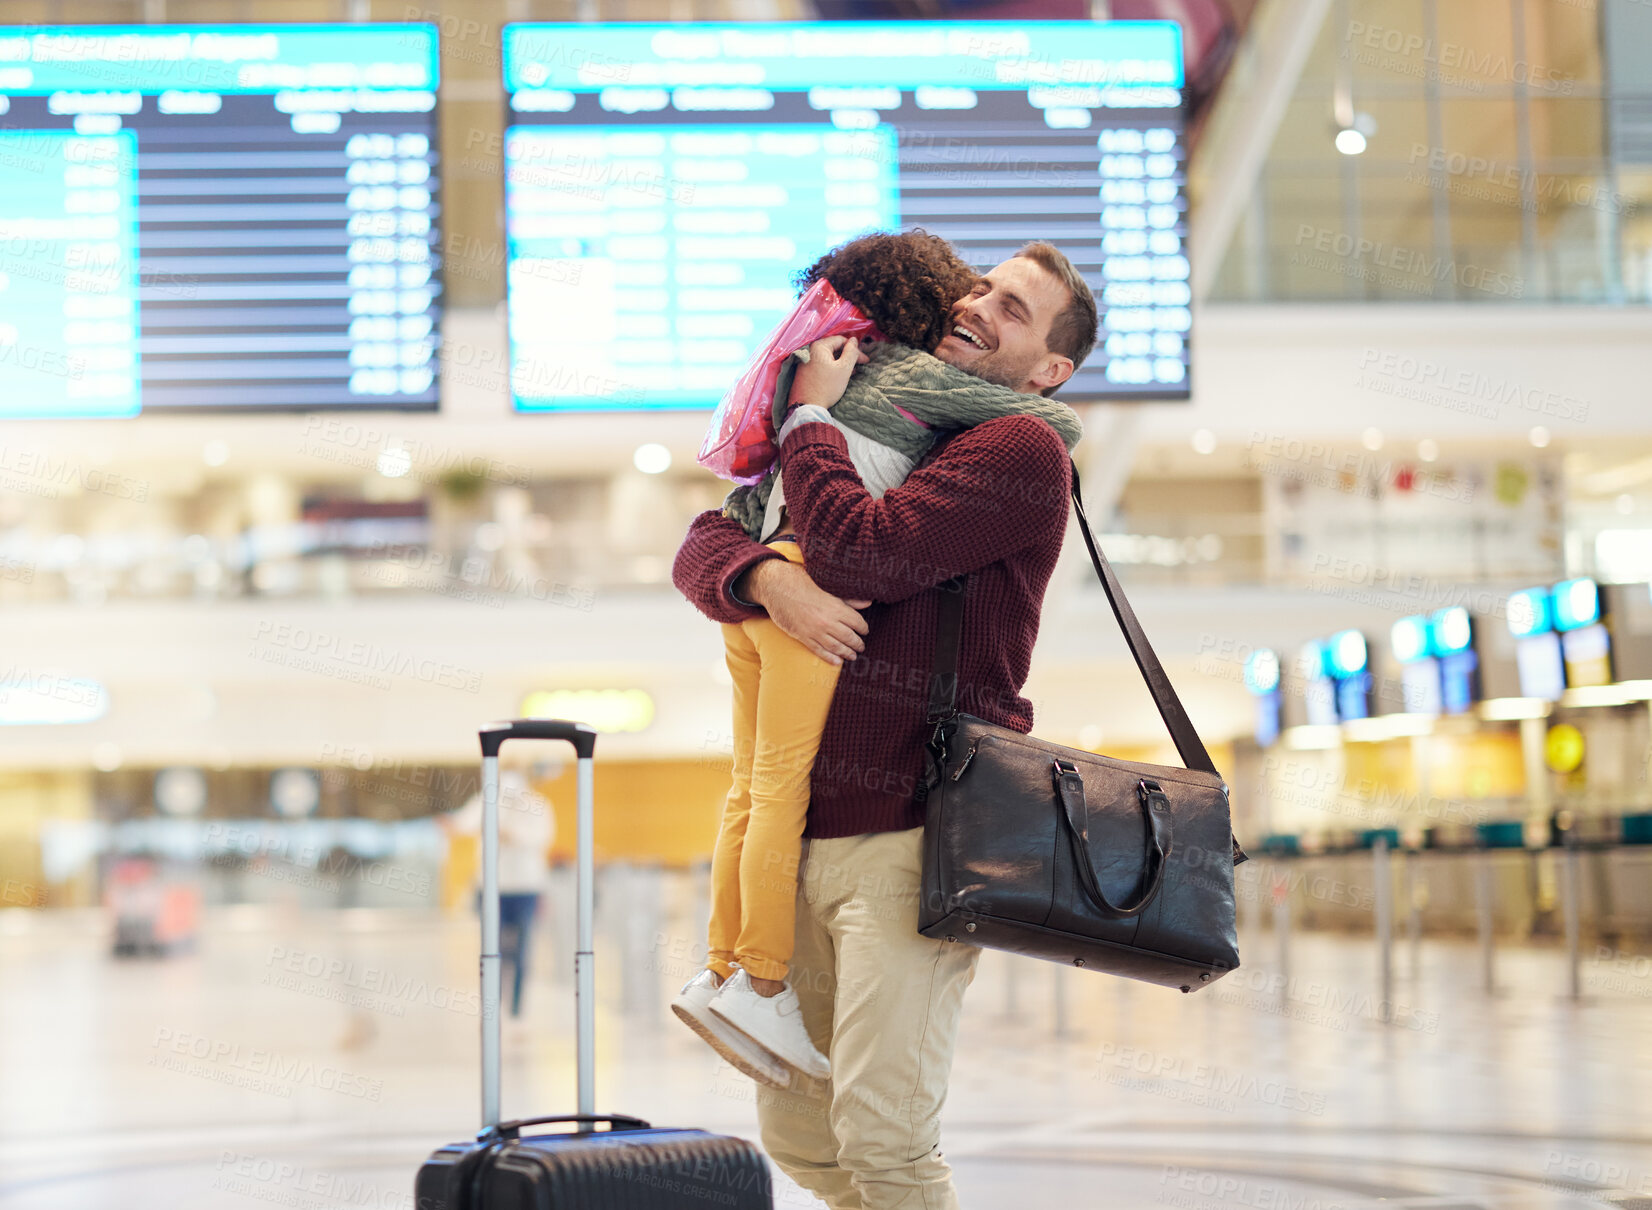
(584,740)
(615,1121)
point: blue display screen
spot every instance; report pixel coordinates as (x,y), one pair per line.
(1353,696)
(1459,675)
(1319,701)
(1576,604)
(1409,639)
(1261,672)
(1267,719)
(665,182)
(1529,612)
(1347,653)
(222,217)
(1450,631)
(1420,683)
(1541,668)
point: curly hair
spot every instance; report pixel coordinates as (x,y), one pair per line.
(905,283)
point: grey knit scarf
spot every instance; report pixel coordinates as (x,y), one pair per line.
(942,396)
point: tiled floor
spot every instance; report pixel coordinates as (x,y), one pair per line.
(244,1074)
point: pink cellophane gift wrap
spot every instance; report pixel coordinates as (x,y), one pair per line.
(740,444)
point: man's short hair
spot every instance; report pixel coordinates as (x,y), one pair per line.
(1073,331)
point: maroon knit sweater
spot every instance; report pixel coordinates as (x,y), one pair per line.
(992,502)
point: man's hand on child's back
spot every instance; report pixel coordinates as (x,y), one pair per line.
(828,626)
(825,376)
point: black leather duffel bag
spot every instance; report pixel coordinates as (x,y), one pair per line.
(1061,854)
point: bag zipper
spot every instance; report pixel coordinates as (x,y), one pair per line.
(968,756)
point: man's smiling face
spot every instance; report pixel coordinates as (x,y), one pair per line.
(1000,328)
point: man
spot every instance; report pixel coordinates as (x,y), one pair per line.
(880,1000)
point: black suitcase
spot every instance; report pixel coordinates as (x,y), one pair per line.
(628,1166)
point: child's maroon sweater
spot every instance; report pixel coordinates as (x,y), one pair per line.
(992,502)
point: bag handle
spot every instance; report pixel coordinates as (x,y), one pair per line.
(943,685)
(1155,807)
(584,738)
(513,1129)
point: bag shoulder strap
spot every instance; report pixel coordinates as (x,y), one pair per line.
(943,685)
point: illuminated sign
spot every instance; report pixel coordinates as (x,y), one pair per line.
(1348,655)
(49,698)
(1528,613)
(608,710)
(1262,680)
(1262,671)
(1318,689)
(1450,630)
(1311,662)
(1409,639)
(1576,604)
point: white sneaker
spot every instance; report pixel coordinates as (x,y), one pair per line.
(775,1023)
(746,1056)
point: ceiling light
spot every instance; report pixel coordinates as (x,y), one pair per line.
(1428,449)
(394,462)
(1371,439)
(1204,441)
(1539,436)
(1354,130)
(652,458)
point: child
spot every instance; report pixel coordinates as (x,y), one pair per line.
(894,408)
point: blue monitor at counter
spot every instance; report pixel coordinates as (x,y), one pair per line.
(1261,672)
(1576,604)
(1408,639)
(1353,697)
(1459,681)
(663,184)
(1450,630)
(1346,654)
(1529,612)
(218,218)
(1541,666)
(1267,719)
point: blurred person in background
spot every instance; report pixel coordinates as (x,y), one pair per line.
(527,830)
(879,999)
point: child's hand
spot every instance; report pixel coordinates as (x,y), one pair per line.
(823,378)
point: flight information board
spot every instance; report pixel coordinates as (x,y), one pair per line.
(219,217)
(664,182)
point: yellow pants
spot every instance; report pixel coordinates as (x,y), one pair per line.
(782,692)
